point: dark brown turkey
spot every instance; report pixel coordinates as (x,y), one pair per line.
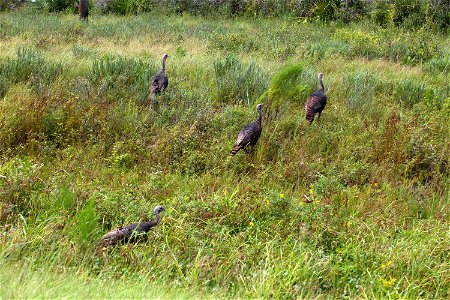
(159,81)
(132,232)
(249,135)
(316,102)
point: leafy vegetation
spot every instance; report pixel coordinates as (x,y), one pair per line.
(355,207)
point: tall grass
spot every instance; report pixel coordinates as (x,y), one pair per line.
(237,83)
(354,207)
(32,282)
(29,66)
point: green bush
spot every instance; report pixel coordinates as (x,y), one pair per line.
(284,87)
(381,12)
(19,178)
(403,9)
(61,5)
(324,10)
(351,10)
(414,14)
(438,15)
(198,7)
(362,43)
(125,7)
(325,48)
(11,4)
(4,85)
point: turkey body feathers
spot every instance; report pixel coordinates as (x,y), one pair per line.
(249,135)
(160,81)
(316,102)
(129,233)
(132,232)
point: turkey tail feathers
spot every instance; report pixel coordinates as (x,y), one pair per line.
(235,150)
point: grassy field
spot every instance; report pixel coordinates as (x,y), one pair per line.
(82,153)
(25,281)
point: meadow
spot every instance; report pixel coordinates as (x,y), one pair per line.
(81,153)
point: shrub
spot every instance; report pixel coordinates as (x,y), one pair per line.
(325,187)
(284,86)
(80,51)
(403,9)
(381,12)
(325,48)
(21,118)
(125,7)
(61,5)
(4,86)
(362,43)
(438,15)
(351,10)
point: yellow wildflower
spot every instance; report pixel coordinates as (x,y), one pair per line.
(250,224)
(386,265)
(281,195)
(389,283)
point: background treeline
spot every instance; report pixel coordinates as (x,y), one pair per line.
(412,14)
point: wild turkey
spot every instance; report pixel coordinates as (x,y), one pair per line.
(316,102)
(132,232)
(159,81)
(249,135)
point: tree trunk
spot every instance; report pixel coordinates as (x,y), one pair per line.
(83,8)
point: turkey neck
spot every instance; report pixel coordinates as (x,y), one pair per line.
(164,64)
(321,85)
(259,118)
(146,226)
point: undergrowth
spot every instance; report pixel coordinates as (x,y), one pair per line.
(354,207)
